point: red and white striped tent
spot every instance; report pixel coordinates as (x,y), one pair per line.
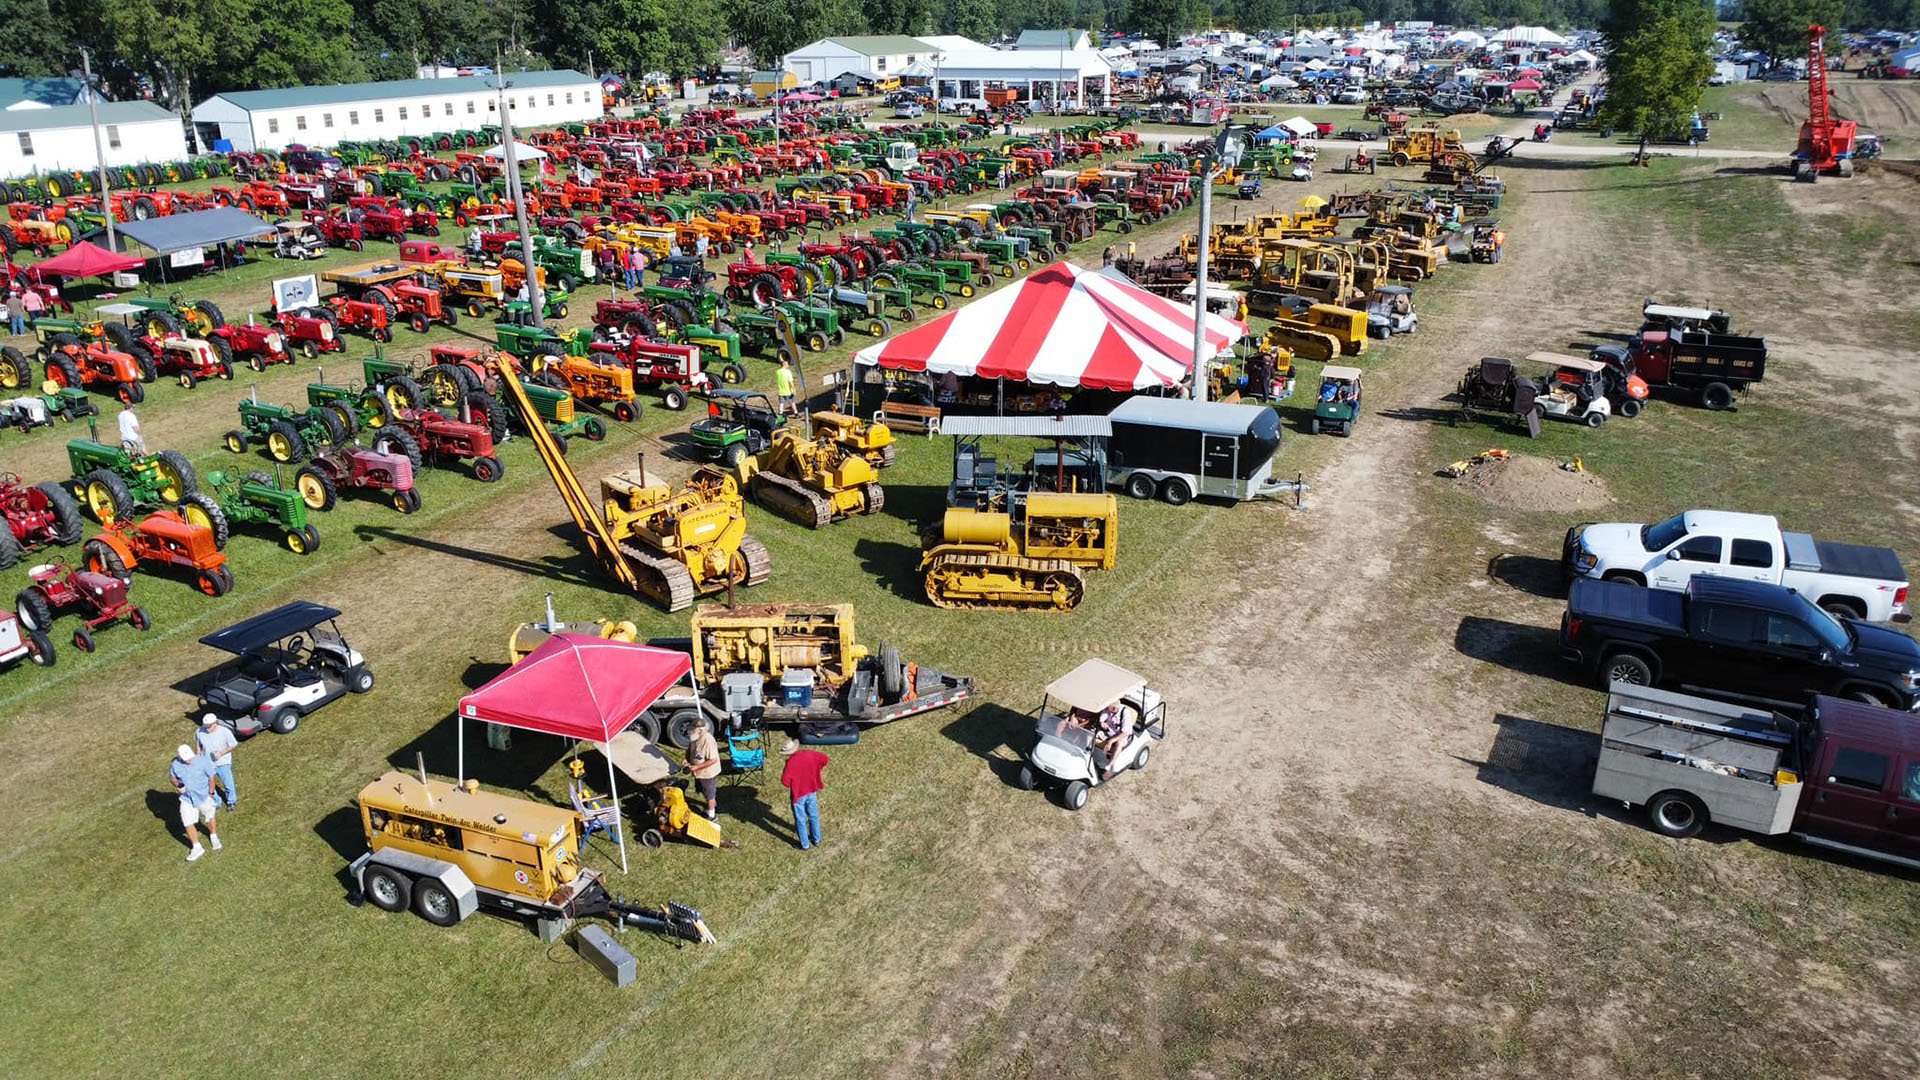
(1062,325)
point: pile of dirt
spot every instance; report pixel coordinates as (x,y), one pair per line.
(1533,483)
(1888,109)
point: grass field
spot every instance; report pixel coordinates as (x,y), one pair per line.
(1365,850)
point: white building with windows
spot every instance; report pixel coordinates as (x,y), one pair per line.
(873,56)
(60,137)
(323,116)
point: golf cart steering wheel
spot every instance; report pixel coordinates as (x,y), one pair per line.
(295,646)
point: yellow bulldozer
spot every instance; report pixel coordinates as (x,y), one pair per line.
(1026,557)
(1319,332)
(871,441)
(811,481)
(1425,146)
(683,543)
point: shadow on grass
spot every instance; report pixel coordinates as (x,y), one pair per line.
(165,807)
(519,768)
(578,568)
(895,567)
(1550,764)
(1529,650)
(1425,414)
(1530,574)
(915,504)
(772,815)
(997,735)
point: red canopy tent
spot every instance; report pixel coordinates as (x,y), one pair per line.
(1524,84)
(87,259)
(577,687)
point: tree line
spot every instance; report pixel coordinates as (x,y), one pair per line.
(181,51)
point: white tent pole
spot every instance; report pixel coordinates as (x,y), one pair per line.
(619,820)
(460,761)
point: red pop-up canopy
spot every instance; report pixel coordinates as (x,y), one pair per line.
(87,259)
(577,687)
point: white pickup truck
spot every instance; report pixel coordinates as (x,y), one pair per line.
(1846,579)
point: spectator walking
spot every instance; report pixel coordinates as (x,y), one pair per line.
(1106,257)
(16,313)
(783,387)
(703,758)
(634,266)
(192,776)
(802,778)
(700,247)
(217,742)
(33,305)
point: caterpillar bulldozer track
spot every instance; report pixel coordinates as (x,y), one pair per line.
(1030,557)
(670,546)
(811,481)
(1303,342)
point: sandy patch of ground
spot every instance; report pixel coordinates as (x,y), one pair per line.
(1534,483)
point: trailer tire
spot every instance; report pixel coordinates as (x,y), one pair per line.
(434,903)
(387,889)
(1627,667)
(1140,486)
(679,729)
(1176,492)
(1716,396)
(1676,814)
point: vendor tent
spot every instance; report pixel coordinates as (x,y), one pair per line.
(1467,38)
(579,688)
(1527,35)
(1300,126)
(1278,82)
(86,259)
(1061,325)
(202,228)
(521,151)
(1525,84)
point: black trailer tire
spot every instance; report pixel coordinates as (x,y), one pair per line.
(1140,485)
(434,903)
(1176,492)
(387,889)
(1716,396)
(1626,667)
(893,673)
(1676,814)
(680,727)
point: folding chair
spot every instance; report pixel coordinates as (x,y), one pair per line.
(600,815)
(747,751)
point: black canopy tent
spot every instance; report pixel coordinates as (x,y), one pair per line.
(199,229)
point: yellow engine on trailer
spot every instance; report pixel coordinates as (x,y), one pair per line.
(811,481)
(504,844)
(1030,559)
(871,441)
(684,543)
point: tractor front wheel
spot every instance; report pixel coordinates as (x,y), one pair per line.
(594,430)
(138,619)
(733,374)
(625,411)
(673,397)
(83,639)
(215,582)
(316,489)
(406,501)
(237,441)
(39,648)
(487,469)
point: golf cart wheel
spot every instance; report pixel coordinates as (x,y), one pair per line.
(652,839)
(1140,486)
(139,619)
(1075,795)
(624,411)
(83,639)
(387,889)
(237,441)
(434,903)
(1025,779)
(733,374)
(675,398)
(283,720)
(1314,425)
(360,680)
(594,429)
(1595,419)
(1140,762)
(487,469)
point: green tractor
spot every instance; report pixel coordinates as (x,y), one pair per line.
(814,326)
(115,482)
(255,499)
(175,316)
(357,407)
(289,436)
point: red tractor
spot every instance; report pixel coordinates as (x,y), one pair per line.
(192,360)
(421,305)
(259,345)
(99,367)
(435,435)
(254,197)
(369,316)
(765,284)
(56,588)
(167,539)
(391,219)
(35,517)
(319,481)
(337,231)
(310,331)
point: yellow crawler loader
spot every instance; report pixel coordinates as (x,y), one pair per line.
(811,481)
(871,441)
(1027,558)
(683,543)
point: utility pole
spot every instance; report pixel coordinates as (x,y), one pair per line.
(99,147)
(1225,153)
(514,192)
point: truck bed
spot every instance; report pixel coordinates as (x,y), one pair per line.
(1848,560)
(1631,605)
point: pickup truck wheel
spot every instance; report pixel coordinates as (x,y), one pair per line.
(1841,608)
(1627,668)
(1869,697)
(387,889)
(1624,576)
(1676,814)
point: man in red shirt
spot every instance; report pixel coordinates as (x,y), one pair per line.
(802,777)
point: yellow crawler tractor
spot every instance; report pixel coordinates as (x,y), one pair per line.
(682,543)
(1320,332)
(1425,146)
(1026,558)
(871,441)
(811,481)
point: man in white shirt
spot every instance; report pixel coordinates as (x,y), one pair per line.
(130,430)
(217,742)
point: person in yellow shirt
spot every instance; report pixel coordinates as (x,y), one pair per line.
(783,387)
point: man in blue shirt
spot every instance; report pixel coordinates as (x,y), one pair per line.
(192,776)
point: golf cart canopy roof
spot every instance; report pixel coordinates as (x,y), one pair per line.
(268,627)
(1338,373)
(736,395)
(119,309)
(1094,686)
(1578,363)
(1669,311)
(1394,290)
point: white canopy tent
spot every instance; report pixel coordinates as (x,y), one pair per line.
(1527,35)
(521,151)
(1465,37)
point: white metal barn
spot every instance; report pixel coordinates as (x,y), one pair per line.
(872,55)
(61,138)
(323,116)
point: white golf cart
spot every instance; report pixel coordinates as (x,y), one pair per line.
(1096,722)
(1576,391)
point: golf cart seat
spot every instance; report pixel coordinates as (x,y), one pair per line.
(239,694)
(302,676)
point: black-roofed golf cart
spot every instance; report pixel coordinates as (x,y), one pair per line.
(288,662)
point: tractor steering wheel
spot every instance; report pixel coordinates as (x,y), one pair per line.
(8,479)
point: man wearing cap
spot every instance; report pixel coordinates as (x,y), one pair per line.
(192,776)
(217,742)
(802,777)
(703,759)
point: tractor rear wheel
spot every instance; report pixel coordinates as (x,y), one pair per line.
(340,421)
(316,489)
(399,441)
(203,509)
(67,522)
(16,370)
(9,549)
(32,607)
(108,498)
(99,557)
(403,393)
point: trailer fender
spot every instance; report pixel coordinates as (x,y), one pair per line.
(466,897)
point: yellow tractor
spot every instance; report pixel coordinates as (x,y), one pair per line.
(682,543)
(1322,272)
(1028,557)
(871,441)
(1425,146)
(529,636)
(1319,332)
(811,481)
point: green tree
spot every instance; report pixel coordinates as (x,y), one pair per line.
(976,19)
(1657,61)
(1779,27)
(31,41)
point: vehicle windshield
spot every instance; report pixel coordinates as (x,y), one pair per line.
(1664,535)
(1062,729)
(1833,634)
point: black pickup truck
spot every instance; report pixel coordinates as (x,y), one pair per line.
(1736,639)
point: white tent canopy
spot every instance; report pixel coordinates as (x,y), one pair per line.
(521,151)
(1465,37)
(1300,126)
(1582,56)
(1527,35)
(1278,82)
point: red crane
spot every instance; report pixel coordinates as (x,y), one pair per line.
(1826,144)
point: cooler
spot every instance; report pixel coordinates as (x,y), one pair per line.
(796,688)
